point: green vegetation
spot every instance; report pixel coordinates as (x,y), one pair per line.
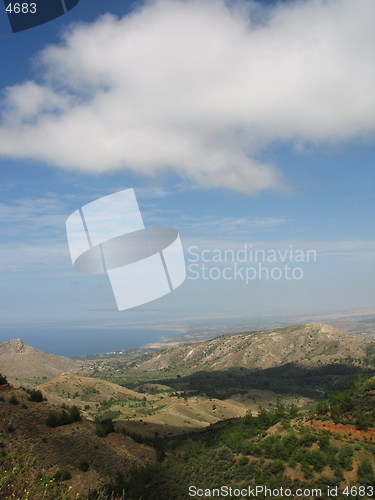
(13,400)
(355,405)
(63,417)
(125,409)
(287,379)
(365,473)
(35,395)
(18,479)
(275,448)
(104,427)
(62,475)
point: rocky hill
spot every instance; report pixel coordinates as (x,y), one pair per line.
(310,345)
(20,361)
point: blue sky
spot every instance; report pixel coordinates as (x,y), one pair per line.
(240,123)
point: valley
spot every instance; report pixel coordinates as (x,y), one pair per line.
(173,412)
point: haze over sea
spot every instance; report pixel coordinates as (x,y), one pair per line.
(79,341)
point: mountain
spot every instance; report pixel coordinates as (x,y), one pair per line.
(19,360)
(308,345)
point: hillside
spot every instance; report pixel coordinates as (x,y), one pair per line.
(307,345)
(73,453)
(20,361)
(278,449)
(168,412)
(76,389)
(203,411)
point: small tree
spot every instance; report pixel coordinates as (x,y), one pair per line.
(74,414)
(53,419)
(365,473)
(104,427)
(35,395)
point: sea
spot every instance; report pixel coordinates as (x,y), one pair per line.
(78,341)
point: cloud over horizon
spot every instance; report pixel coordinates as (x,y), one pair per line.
(198,87)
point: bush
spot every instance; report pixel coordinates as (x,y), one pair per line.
(104,427)
(53,419)
(74,414)
(13,400)
(345,458)
(365,473)
(84,466)
(64,417)
(307,439)
(276,467)
(363,420)
(322,407)
(62,475)
(35,395)
(3,380)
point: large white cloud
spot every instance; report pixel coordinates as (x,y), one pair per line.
(198,86)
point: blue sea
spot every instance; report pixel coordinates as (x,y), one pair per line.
(74,341)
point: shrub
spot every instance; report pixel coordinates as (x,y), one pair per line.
(316,459)
(53,419)
(74,414)
(35,395)
(13,400)
(62,475)
(365,473)
(363,420)
(104,427)
(64,417)
(345,457)
(307,439)
(3,380)
(84,466)
(322,407)
(276,467)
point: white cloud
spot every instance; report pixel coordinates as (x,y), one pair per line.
(200,87)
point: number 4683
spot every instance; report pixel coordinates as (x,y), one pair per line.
(21,8)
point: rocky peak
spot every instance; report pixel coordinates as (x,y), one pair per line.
(17,345)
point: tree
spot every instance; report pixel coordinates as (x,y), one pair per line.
(104,427)
(365,473)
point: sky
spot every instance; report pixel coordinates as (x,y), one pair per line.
(244,125)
